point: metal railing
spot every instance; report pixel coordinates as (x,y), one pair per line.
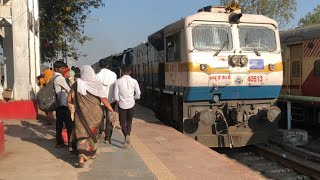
(293,98)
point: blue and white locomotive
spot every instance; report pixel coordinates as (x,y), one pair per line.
(214,75)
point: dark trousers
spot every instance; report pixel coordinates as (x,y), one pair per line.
(108,128)
(125,118)
(63,116)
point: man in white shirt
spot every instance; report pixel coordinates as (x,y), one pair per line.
(62,112)
(107,78)
(126,90)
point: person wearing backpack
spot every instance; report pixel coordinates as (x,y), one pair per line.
(62,111)
(43,81)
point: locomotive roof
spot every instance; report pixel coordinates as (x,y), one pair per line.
(156,39)
(221,17)
(224,17)
(300,34)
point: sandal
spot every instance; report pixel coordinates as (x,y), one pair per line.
(81,165)
(81,162)
(94,156)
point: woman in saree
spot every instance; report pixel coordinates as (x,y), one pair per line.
(86,94)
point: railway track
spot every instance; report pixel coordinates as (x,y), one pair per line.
(275,160)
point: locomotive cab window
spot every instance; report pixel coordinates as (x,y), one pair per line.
(255,37)
(173,48)
(211,37)
(317,68)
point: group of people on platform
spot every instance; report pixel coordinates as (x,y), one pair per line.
(87,104)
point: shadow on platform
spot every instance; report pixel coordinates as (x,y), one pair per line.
(146,115)
(38,133)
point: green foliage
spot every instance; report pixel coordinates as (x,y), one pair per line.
(62,25)
(280,10)
(311,18)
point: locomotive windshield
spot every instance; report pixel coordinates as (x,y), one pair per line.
(260,38)
(212,37)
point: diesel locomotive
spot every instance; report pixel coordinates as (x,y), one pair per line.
(214,75)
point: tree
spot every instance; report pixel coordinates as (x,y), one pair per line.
(311,18)
(62,25)
(280,10)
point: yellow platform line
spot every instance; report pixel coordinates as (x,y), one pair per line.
(157,167)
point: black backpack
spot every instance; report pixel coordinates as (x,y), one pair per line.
(47,97)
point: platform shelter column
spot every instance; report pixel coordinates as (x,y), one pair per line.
(21,46)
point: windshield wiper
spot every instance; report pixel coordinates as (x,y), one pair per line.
(223,45)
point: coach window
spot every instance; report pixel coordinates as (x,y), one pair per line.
(173,48)
(317,68)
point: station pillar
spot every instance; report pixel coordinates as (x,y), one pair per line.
(21,46)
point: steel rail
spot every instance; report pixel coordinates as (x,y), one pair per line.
(288,162)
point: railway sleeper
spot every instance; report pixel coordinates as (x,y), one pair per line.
(287,176)
(243,154)
(278,170)
(297,177)
(264,164)
(250,158)
(265,168)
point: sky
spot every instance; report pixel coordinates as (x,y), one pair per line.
(127,23)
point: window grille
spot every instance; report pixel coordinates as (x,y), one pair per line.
(296,69)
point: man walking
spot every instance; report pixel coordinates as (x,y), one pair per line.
(107,78)
(62,112)
(126,91)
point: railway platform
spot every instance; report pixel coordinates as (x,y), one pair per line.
(157,152)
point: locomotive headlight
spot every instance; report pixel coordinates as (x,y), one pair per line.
(272,67)
(244,60)
(236,61)
(203,67)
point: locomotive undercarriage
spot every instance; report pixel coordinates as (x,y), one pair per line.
(230,123)
(224,124)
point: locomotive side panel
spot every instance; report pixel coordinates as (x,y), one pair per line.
(310,68)
(300,61)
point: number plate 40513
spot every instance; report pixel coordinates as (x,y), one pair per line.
(258,79)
